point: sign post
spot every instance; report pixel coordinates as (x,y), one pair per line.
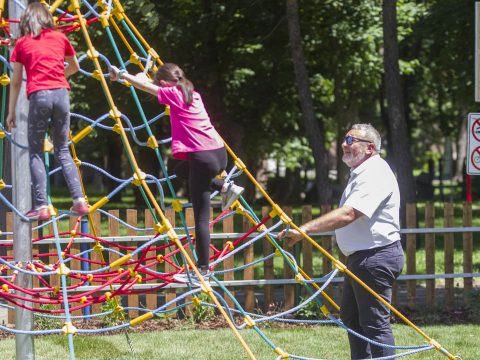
(473,147)
(477,51)
(473,151)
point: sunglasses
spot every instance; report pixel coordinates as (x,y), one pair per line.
(349,140)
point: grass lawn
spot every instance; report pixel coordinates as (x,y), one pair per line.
(325,342)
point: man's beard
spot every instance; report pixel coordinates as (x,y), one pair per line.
(352,161)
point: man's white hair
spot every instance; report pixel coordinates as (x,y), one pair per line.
(370,133)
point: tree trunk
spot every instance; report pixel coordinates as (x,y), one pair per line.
(313,128)
(385,122)
(347,114)
(399,136)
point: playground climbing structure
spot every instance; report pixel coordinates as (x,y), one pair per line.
(69,282)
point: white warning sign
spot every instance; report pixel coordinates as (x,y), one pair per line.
(473,149)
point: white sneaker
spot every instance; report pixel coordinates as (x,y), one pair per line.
(192,277)
(231,195)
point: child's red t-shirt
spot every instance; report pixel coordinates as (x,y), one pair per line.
(43,58)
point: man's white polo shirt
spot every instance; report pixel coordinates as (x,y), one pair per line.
(373,190)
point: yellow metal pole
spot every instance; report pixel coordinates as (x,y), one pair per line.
(55,5)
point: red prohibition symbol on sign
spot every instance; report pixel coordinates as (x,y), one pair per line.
(475,158)
(476,129)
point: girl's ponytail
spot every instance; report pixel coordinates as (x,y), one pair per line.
(172,72)
(187,90)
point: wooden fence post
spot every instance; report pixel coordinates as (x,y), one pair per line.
(170,294)
(327,244)
(411,255)
(307,246)
(113,230)
(190,221)
(229,263)
(132,220)
(430,254)
(467,252)
(268,269)
(151,296)
(288,290)
(248,273)
(449,245)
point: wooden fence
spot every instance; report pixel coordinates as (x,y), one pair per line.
(445,292)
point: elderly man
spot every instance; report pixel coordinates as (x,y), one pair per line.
(366,225)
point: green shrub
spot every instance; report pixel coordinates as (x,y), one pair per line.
(47,323)
(116,316)
(311,310)
(202,312)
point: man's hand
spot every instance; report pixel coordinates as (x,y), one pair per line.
(10,121)
(293,236)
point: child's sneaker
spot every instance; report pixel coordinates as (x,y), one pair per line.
(231,195)
(79,207)
(38,213)
(192,277)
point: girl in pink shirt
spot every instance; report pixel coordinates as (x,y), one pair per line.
(194,141)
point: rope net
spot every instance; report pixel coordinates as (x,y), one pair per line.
(68,282)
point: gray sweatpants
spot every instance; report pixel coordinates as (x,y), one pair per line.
(55,105)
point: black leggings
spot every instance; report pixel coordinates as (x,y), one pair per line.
(201,169)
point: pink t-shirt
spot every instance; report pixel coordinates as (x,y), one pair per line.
(192,130)
(43,59)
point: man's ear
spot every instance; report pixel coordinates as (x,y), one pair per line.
(370,149)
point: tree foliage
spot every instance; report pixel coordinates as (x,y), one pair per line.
(238,55)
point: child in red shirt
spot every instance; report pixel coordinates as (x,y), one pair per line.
(42,51)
